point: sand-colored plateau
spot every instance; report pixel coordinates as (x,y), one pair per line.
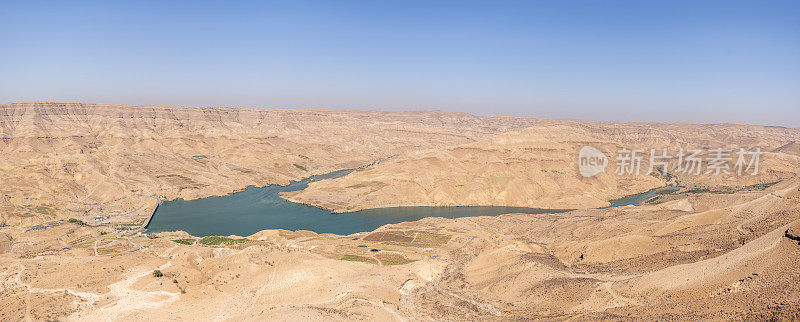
(718,247)
(62,160)
(537,167)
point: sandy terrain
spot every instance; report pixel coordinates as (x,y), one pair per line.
(64,160)
(718,248)
(734,261)
(536,167)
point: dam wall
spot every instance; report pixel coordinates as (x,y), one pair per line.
(151,211)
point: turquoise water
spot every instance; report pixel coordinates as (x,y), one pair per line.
(639,198)
(257,208)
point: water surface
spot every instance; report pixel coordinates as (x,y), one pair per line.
(639,198)
(258,208)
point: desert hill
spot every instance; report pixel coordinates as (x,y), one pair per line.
(74,158)
(789,148)
(537,167)
(718,247)
(735,260)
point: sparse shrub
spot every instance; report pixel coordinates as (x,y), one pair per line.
(217,240)
(77,221)
(185,241)
(393,259)
(157,273)
(355,258)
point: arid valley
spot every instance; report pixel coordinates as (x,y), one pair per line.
(79,183)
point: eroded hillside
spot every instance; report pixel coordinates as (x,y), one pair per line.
(74,159)
(699,256)
(716,247)
(538,167)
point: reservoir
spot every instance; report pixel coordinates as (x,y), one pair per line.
(254,209)
(258,208)
(639,198)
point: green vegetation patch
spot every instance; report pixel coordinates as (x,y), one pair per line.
(44,210)
(760,186)
(722,190)
(393,259)
(108,251)
(389,236)
(668,191)
(657,200)
(33,211)
(729,190)
(674,194)
(76,221)
(299,166)
(428,239)
(356,258)
(157,273)
(409,238)
(185,241)
(217,240)
(84,244)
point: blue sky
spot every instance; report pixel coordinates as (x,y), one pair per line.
(696,61)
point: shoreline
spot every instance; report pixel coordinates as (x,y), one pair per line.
(149,218)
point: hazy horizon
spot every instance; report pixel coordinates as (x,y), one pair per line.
(716,61)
